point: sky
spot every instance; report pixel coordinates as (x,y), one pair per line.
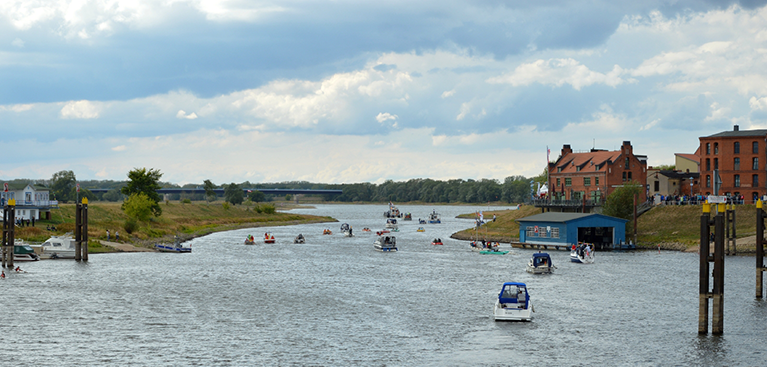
(367,91)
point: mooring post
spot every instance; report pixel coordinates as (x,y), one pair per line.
(9,233)
(759,247)
(730,230)
(705,245)
(81,231)
(717,314)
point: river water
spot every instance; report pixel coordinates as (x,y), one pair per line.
(334,301)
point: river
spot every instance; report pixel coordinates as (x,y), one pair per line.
(334,301)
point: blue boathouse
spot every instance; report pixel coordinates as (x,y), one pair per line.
(562,230)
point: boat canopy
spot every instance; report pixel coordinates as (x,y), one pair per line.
(542,259)
(514,292)
(345,227)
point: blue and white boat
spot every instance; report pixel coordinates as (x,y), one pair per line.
(582,254)
(386,244)
(540,263)
(172,247)
(513,303)
(434,218)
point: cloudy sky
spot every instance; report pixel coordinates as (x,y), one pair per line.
(365,91)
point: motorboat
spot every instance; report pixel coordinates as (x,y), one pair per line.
(437,242)
(434,218)
(513,303)
(269,238)
(385,244)
(299,239)
(327,231)
(483,246)
(493,251)
(393,212)
(540,263)
(408,216)
(391,224)
(421,221)
(24,252)
(420,229)
(56,247)
(250,240)
(346,230)
(583,254)
(176,247)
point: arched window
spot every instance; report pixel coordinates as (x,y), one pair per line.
(736,147)
(708,164)
(736,164)
(737,180)
(708,148)
(755,181)
(716,163)
(716,148)
(755,147)
(755,163)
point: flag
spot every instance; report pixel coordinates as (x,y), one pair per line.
(548,152)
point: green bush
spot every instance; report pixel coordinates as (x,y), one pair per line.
(131,225)
(268,208)
(258,209)
(186,201)
(226,205)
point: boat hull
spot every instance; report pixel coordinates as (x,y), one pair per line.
(574,257)
(384,249)
(512,312)
(539,270)
(172,248)
(486,252)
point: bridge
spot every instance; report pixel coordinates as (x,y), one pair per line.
(246,191)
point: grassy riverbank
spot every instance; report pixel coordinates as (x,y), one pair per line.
(670,227)
(184,220)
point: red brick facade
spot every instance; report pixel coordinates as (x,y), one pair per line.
(740,157)
(595,174)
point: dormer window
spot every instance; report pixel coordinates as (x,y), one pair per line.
(578,169)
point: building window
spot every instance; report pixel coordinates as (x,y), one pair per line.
(596,181)
(568,181)
(716,163)
(555,232)
(708,164)
(736,164)
(755,181)
(578,169)
(737,180)
(558,182)
(657,186)
(708,181)
(624,176)
(587,181)
(626,166)
(736,148)
(708,148)
(755,164)
(559,169)
(531,232)
(629,176)
(755,147)
(716,148)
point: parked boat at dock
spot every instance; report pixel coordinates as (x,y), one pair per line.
(513,303)
(24,252)
(56,247)
(176,247)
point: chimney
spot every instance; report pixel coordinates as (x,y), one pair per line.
(626,148)
(736,128)
(566,149)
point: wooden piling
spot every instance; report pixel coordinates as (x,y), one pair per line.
(81,231)
(9,230)
(705,246)
(760,215)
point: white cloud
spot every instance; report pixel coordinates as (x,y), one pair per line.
(717,112)
(17,43)
(183,115)
(119,148)
(558,72)
(79,110)
(465,109)
(384,116)
(758,103)
(448,93)
(17,107)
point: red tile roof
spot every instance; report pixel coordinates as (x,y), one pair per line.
(572,161)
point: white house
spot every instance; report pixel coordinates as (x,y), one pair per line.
(32,200)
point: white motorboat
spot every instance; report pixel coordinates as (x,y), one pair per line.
(56,247)
(24,252)
(346,230)
(583,254)
(540,263)
(434,218)
(386,244)
(391,224)
(299,239)
(513,303)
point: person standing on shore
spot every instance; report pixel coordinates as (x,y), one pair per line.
(117,235)
(107,235)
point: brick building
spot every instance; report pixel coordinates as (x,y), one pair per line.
(594,174)
(740,157)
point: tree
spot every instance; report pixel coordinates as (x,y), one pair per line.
(233,194)
(138,206)
(63,186)
(256,196)
(210,195)
(620,203)
(147,182)
(112,195)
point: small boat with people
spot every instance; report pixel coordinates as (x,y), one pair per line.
(540,263)
(393,212)
(437,242)
(269,238)
(176,247)
(420,229)
(391,224)
(56,247)
(493,251)
(421,221)
(346,230)
(327,231)
(385,244)
(299,239)
(513,303)
(366,229)
(250,240)
(482,245)
(383,231)
(408,216)
(434,218)
(582,253)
